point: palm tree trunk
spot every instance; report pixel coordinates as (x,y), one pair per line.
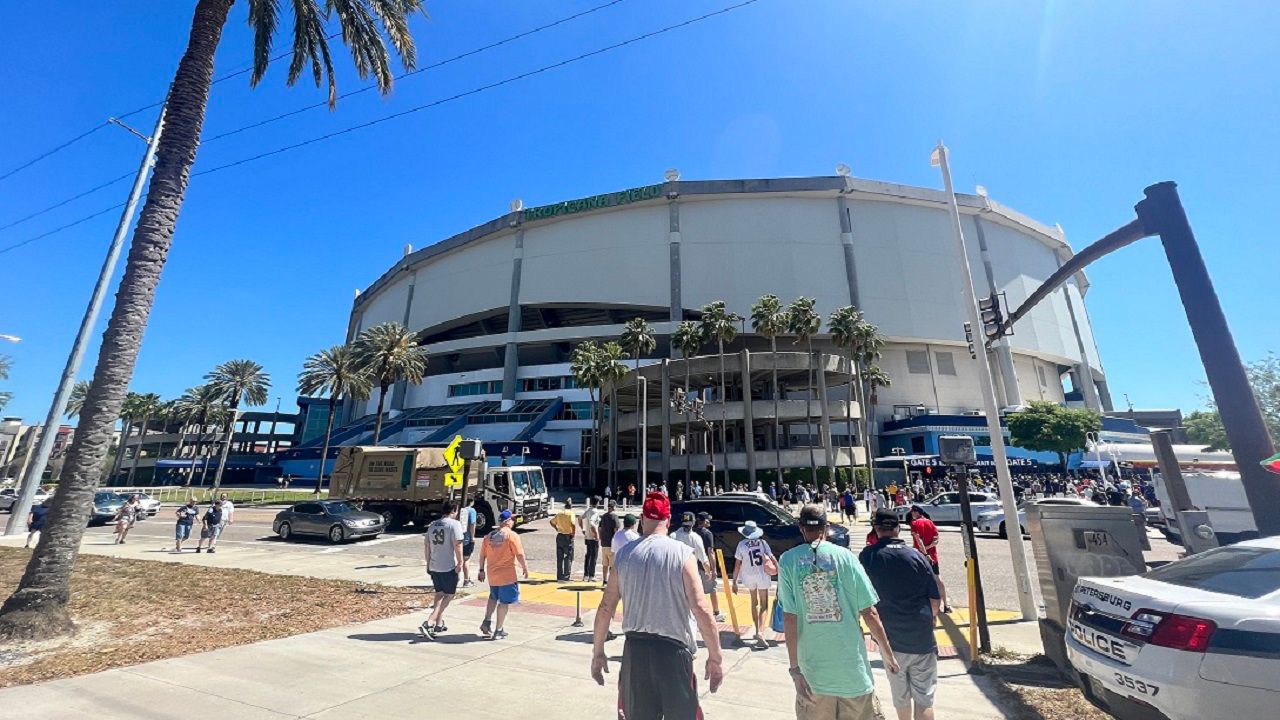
(808,411)
(777,419)
(126,427)
(324,453)
(377,424)
(38,608)
(597,417)
(195,449)
(688,474)
(133,466)
(641,482)
(866,425)
(226,445)
(724,419)
(848,416)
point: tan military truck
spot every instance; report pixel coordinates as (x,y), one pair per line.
(402,484)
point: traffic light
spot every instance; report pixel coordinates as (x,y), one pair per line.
(991,316)
(968,338)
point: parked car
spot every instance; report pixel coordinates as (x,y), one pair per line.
(992,521)
(150,506)
(337,520)
(1153,516)
(9,496)
(729,512)
(1196,638)
(105,506)
(944,508)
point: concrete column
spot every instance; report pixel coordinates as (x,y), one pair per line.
(825,426)
(846,244)
(401,388)
(1088,386)
(673,242)
(664,407)
(511,357)
(1007,392)
(748,421)
(347,409)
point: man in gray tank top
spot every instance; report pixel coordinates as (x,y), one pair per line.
(657,579)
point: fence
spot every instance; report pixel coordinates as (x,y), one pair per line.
(179,495)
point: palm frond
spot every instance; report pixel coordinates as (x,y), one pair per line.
(264,17)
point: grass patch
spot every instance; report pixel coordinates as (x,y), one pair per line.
(133,611)
(173,496)
(1032,689)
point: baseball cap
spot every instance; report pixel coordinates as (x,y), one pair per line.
(687,519)
(704,515)
(812,516)
(656,507)
(886,519)
(504,516)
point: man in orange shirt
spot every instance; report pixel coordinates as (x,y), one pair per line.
(498,555)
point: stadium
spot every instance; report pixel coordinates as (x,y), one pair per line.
(501,306)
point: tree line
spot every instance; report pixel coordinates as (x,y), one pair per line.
(596,365)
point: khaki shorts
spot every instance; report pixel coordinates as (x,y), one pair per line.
(830,707)
(607,554)
(915,681)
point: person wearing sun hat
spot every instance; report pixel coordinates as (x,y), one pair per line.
(753,566)
(658,580)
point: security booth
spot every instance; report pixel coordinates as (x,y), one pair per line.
(1070,542)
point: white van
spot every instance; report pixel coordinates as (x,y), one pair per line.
(1221,494)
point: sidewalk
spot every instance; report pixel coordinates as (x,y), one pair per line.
(382,669)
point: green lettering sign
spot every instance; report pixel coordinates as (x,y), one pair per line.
(595,202)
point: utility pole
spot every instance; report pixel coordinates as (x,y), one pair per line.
(35,469)
(1021,569)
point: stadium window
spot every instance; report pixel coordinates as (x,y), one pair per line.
(946,363)
(917,362)
(1040,374)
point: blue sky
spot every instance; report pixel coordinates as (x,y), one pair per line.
(1064,111)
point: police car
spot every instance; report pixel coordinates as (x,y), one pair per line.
(1197,638)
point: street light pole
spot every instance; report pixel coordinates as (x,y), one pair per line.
(1021,569)
(643,400)
(35,469)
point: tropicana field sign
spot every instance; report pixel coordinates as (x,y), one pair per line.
(595,202)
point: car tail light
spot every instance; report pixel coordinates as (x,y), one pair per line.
(1180,632)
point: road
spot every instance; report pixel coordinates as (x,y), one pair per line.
(252,529)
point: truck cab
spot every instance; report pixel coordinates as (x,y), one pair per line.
(522,489)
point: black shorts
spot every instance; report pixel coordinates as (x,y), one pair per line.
(468,547)
(445,583)
(934,565)
(657,680)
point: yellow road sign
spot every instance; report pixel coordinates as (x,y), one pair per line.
(453,479)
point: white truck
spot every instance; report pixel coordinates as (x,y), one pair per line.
(518,488)
(1221,494)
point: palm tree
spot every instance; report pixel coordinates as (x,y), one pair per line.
(336,372)
(688,339)
(722,326)
(612,370)
(389,352)
(869,344)
(38,608)
(148,405)
(236,381)
(845,326)
(202,406)
(128,413)
(584,362)
(769,319)
(872,379)
(76,400)
(803,322)
(637,338)
(5,364)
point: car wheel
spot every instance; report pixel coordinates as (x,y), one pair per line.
(285,531)
(1004,533)
(391,518)
(337,534)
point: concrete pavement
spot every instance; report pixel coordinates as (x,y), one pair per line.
(382,669)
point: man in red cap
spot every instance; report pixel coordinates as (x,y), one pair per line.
(657,579)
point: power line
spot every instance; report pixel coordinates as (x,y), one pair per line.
(291,113)
(58,148)
(435,103)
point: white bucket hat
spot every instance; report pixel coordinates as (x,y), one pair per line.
(751,531)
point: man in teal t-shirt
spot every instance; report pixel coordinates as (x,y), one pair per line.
(824,590)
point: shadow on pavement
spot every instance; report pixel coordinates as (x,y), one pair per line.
(386,637)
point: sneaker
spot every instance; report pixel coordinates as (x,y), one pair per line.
(210,551)
(719,617)
(468,583)
(441,629)
(761,644)
(947,609)
(486,629)
(427,631)
(611,636)
(199,549)
(499,634)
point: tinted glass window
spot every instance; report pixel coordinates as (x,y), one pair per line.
(760,515)
(536,482)
(724,511)
(340,507)
(307,508)
(1249,572)
(522,482)
(500,483)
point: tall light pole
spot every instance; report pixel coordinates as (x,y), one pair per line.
(35,469)
(1021,569)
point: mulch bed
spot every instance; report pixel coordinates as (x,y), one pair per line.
(130,611)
